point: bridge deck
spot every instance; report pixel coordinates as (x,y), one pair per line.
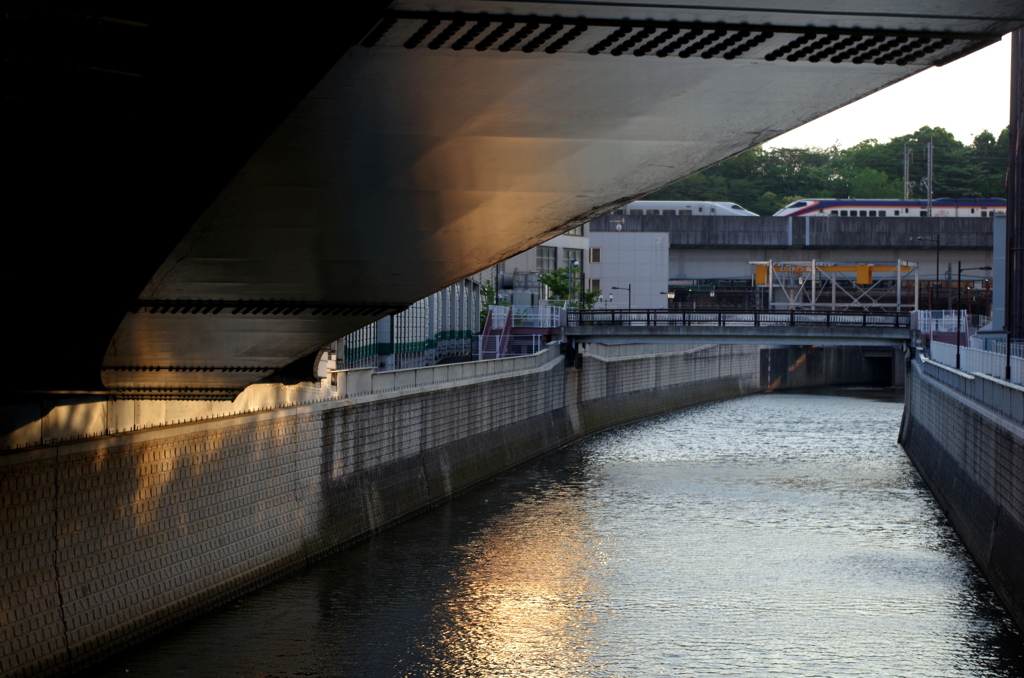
(730,326)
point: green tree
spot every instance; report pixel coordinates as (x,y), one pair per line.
(490,299)
(557,282)
(870,183)
(759,177)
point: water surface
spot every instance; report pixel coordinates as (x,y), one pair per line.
(773,535)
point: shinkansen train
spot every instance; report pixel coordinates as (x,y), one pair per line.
(685,208)
(943,207)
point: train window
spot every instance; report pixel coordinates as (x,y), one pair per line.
(881,213)
(983,213)
(799,204)
(654,211)
(863,213)
(700,209)
(972,210)
(618,212)
(872,213)
(668,212)
(844,213)
(636,211)
(685,213)
(924,213)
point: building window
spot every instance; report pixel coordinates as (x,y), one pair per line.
(595,285)
(546,259)
(575,231)
(595,255)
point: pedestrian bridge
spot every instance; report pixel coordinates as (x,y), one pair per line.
(732,326)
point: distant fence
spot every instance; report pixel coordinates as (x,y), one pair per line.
(973,360)
(735,318)
(365,381)
(504,346)
(1002,397)
(528,316)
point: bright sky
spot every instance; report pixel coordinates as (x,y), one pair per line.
(965,97)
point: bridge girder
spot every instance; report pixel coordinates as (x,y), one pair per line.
(415,151)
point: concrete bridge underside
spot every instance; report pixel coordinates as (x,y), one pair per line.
(204,200)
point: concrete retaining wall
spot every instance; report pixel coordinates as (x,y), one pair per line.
(972,459)
(110,539)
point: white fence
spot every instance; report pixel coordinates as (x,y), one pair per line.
(527,316)
(365,381)
(504,346)
(937,321)
(973,360)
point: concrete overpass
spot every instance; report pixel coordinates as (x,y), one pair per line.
(203,198)
(727,326)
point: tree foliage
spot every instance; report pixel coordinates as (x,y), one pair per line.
(557,282)
(764,181)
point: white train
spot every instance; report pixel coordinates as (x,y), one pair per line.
(685,208)
(941,207)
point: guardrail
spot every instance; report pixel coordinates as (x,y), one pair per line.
(977,360)
(365,381)
(733,318)
(528,316)
(1003,397)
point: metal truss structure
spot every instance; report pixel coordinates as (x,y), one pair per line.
(819,285)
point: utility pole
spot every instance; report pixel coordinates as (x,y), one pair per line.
(931,148)
(906,172)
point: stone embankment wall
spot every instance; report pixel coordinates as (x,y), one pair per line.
(107,540)
(972,458)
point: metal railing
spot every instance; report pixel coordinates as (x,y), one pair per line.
(491,346)
(1000,396)
(974,360)
(351,383)
(528,316)
(734,318)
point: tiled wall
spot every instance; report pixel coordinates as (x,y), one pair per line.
(104,541)
(973,462)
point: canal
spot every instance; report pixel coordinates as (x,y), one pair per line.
(778,534)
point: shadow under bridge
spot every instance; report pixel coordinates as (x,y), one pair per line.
(202,219)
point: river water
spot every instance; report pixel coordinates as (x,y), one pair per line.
(778,534)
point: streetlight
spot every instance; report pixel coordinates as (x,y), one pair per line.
(936,241)
(959,309)
(629,294)
(572,268)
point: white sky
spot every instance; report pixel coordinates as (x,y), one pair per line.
(965,97)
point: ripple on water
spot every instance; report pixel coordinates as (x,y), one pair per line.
(778,534)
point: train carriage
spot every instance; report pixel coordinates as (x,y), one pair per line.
(943,207)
